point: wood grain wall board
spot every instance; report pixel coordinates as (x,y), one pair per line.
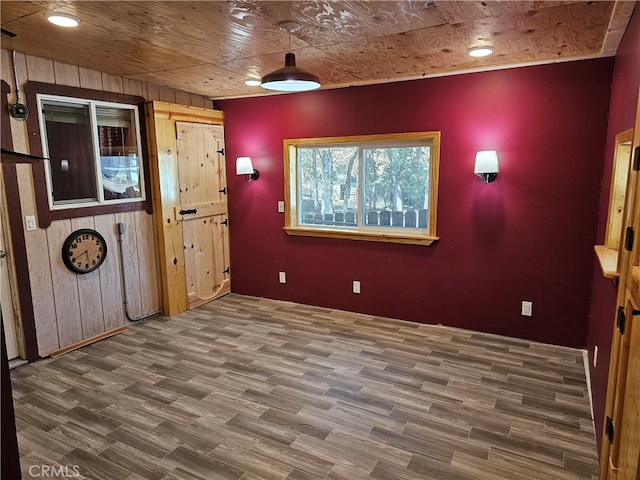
(89,291)
(130,254)
(40,69)
(112,83)
(66,74)
(65,286)
(110,274)
(132,87)
(149,291)
(182,97)
(65,308)
(91,79)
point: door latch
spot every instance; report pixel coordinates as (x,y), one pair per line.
(190,211)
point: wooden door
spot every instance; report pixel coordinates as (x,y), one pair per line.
(620,452)
(625,449)
(203,211)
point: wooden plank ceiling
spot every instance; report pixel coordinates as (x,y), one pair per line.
(212,47)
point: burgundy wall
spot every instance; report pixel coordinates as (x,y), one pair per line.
(622,114)
(527,236)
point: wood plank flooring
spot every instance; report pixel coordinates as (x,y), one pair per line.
(247,388)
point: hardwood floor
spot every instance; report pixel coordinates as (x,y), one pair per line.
(248,388)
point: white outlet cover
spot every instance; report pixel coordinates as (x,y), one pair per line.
(527,308)
(356,286)
(282,276)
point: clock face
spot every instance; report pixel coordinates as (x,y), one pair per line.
(84,251)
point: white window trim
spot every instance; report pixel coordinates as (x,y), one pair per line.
(81,203)
(417,236)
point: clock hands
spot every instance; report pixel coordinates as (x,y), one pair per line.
(86,252)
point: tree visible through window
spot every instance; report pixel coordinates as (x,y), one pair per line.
(382,185)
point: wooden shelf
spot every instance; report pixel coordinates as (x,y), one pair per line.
(608,258)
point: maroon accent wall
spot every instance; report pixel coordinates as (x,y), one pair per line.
(527,236)
(622,115)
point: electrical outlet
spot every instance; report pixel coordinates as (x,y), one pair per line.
(527,308)
(31,223)
(280,206)
(283,277)
(595,357)
(356,286)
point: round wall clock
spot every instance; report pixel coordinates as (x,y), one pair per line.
(84,251)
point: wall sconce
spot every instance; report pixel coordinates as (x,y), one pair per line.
(486,165)
(245,167)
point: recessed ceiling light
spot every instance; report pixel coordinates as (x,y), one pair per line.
(63,19)
(480,51)
(253,82)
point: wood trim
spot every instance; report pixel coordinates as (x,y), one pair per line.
(608,260)
(360,235)
(18,244)
(292,226)
(184,113)
(45,215)
(162,118)
(88,341)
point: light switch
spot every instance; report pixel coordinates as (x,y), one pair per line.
(280,206)
(31,222)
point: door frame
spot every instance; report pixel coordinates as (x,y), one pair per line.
(161,118)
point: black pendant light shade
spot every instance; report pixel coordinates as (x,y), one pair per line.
(290,78)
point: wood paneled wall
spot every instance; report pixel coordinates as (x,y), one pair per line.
(69,308)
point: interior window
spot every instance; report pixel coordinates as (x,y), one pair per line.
(93,150)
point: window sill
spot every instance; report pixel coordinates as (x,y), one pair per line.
(365,236)
(608,259)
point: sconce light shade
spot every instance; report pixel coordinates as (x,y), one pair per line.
(245,167)
(486,165)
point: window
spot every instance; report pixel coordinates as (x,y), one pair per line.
(373,187)
(93,150)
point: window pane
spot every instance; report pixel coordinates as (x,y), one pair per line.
(70,150)
(119,153)
(328,185)
(396,186)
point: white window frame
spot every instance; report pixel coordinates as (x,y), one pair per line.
(96,152)
(416,236)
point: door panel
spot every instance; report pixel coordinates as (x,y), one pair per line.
(203,211)
(629,438)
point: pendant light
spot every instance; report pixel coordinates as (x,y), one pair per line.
(290,78)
